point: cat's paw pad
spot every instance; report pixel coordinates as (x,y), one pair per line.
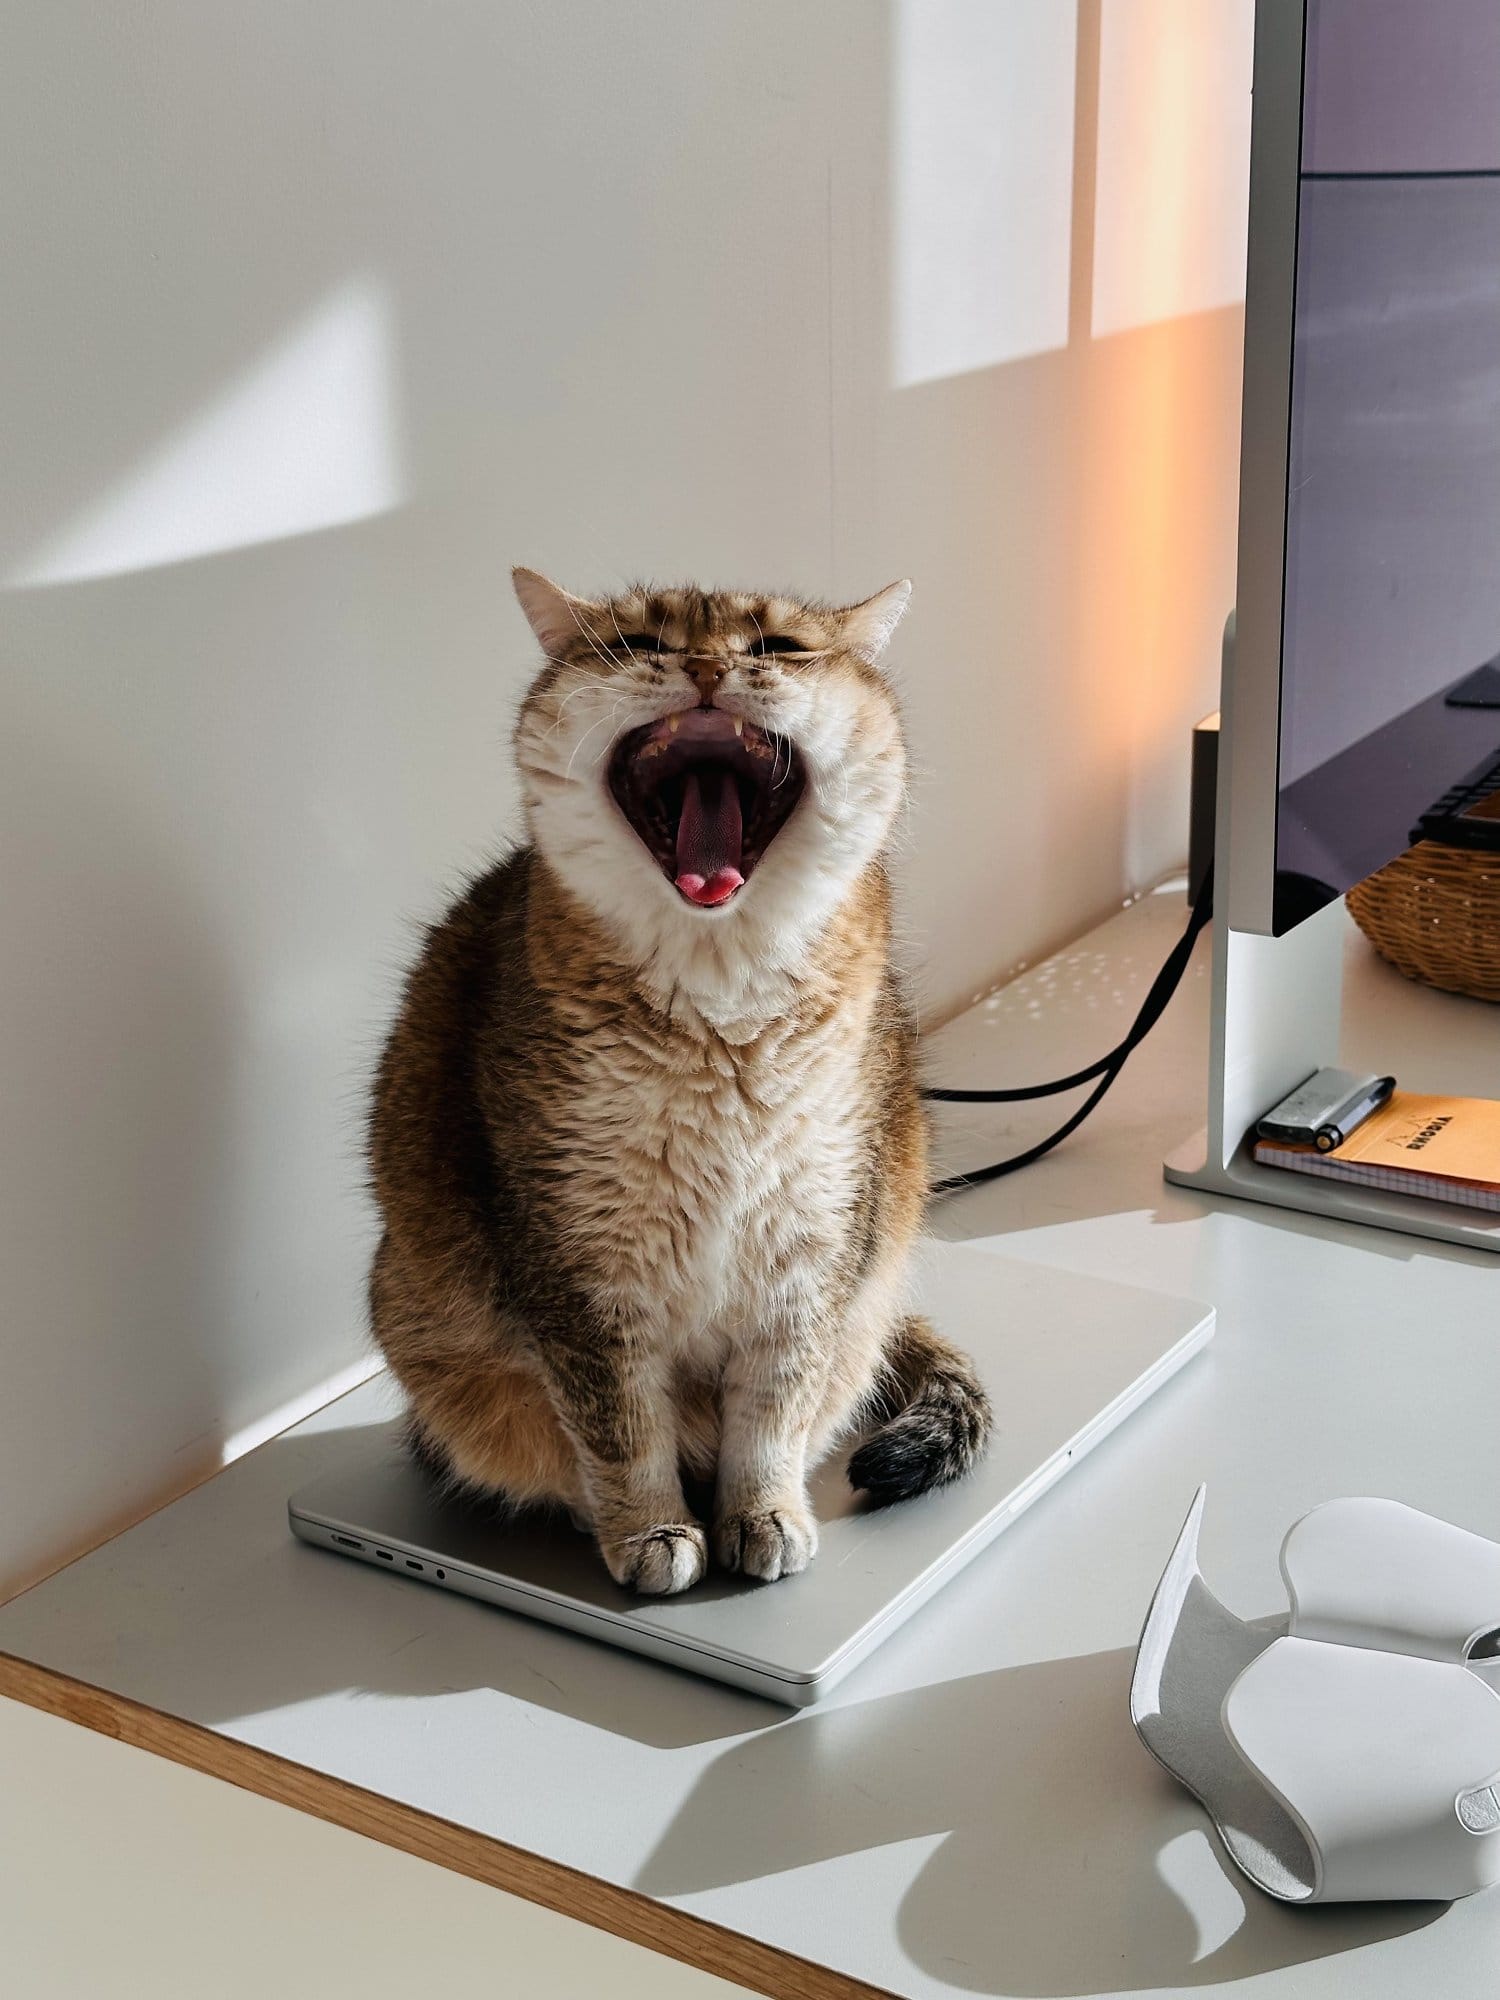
(779,1542)
(660,1560)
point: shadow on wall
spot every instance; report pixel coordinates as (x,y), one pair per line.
(324,323)
(324,319)
(119,1017)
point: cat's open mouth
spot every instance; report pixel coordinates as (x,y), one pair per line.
(707,793)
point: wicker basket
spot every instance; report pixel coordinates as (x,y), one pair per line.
(1434,912)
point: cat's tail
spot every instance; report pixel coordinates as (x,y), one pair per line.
(937,1418)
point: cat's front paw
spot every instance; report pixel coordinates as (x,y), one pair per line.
(660,1560)
(778,1541)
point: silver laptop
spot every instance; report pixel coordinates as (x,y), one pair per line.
(1066,1359)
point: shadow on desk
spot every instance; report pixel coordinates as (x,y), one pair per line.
(178,1613)
(1066,1862)
(1072,1864)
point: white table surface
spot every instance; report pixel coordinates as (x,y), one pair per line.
(970,1812)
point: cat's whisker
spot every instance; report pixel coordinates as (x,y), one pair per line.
(616,623)
(561,716)
(589,677)
(589,639)
(591,686)
(604,721)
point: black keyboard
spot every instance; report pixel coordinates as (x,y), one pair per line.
(1469,815)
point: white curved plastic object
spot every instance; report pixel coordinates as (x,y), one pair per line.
(1388,1764)
(1350,1752)
(1379,1574)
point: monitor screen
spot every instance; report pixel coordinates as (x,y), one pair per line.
(1392,559)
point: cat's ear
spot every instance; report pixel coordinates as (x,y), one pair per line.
(554,614)
(866,628)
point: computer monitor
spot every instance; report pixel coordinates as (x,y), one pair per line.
(1369,584)
(1368,592)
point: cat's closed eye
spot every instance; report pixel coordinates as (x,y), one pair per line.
(763,644)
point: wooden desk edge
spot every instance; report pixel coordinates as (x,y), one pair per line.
(624,1912)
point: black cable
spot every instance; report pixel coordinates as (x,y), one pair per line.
(1106,1069)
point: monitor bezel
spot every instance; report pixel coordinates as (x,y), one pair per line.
(1252,706)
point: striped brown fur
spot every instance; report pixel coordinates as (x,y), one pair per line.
(650,1171)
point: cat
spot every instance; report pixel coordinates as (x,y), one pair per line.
(647,1137)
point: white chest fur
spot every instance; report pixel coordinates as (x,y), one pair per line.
(708,1183)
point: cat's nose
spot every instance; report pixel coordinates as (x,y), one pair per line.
(707,673)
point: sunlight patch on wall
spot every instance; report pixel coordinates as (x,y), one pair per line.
(1174,159)
(297,1409)
(305,440)
(983,182)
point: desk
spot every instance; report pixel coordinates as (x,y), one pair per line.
(970,1811)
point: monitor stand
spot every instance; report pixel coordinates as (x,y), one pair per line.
(1277,1011)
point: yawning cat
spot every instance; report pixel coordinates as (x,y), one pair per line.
(647,1138)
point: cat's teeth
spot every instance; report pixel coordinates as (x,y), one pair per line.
(739,725)
(673,723)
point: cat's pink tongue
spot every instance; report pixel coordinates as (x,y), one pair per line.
(710,836)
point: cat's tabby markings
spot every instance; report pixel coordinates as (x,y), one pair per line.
(647,1138)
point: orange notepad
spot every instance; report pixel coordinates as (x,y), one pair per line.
(1446,1148)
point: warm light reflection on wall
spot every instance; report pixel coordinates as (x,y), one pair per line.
(306,439)
(1173,158)
(1171,191)
(1144,394)
(1157,534)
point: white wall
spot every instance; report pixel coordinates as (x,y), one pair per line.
(321,313)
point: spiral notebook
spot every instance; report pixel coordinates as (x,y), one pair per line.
(1440,1148)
